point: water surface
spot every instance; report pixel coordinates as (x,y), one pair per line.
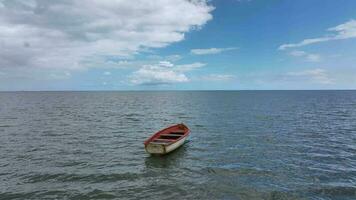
(243,145)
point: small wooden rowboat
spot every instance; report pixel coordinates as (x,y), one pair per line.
(167,140)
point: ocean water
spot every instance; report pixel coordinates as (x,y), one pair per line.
(243,145)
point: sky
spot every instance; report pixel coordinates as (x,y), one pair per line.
(177,45)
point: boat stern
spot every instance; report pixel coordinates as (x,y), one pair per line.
(155,148)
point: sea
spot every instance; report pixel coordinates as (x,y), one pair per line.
(243,145)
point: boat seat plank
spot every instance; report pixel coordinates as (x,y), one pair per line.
(177,133)
(163,139)
(159,143)
(165,142)
(174,135)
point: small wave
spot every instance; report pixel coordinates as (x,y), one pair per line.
(96,194)
(278,195)
(132,115)
(239,172)
(6,126)
(133,119)
(5,118)
(198,125)
(70,164)
(334,191)
(92,178)
(11,195)
(49,133)
(54,194)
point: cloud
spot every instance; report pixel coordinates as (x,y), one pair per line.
(107,73)
(315,75)
(313,57)
(307,56)
(78,34)
(297,53)
(166,64)
(174,57)
(189,67)
(218,77)
(162,73)
(343,31)
(210,50)
(171,58)
(60,75)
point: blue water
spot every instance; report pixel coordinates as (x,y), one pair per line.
(243,145)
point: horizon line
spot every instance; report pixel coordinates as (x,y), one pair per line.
(158,90)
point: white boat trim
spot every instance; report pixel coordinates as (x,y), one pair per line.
(175,145)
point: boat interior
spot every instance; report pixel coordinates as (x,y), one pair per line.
(167,138)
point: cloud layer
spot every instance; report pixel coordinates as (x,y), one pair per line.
(67,35)
(308,56)
(317,75)
(162,73)
(343,31)
(210,50)
(218,77)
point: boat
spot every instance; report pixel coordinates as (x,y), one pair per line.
(167,140)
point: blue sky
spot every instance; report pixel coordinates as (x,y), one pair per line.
(177,45)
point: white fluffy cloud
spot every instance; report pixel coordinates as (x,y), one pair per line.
(308,56)
(164,72)
(218,77)
(67,35)
(313,57)
(343,31)
(315,75)
(210,50)
(107,73)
